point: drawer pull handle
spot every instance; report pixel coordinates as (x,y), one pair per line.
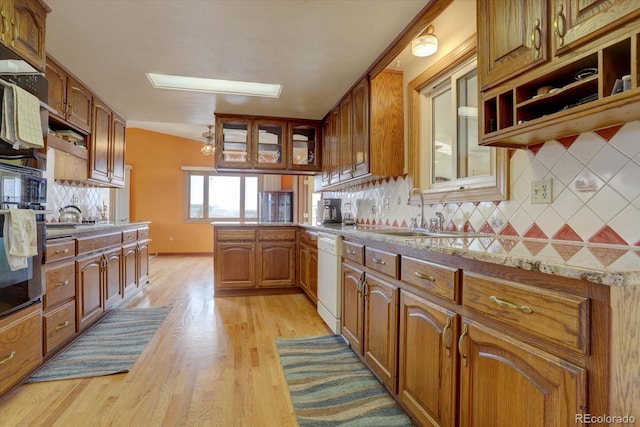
(62,251)
(379,261)
(559,25)
(536,36)
(66,282)
(445,336)
(351,252)
(464,357)
(508,304)
(6,359)
(424,276)
(62,325)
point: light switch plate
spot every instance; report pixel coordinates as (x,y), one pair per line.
(541,191)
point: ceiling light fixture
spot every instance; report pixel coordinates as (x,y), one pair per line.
(425,44)
(209,148)
(227,87)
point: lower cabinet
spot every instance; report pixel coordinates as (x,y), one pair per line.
(20,345)
(427,369)
(308,263)
(464,348)
(254,259)
(502,380)
(90,295)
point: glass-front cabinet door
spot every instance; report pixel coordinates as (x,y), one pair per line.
(233,143)
(304,148)
(269,150)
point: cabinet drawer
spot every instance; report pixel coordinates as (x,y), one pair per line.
(143,233)
(57,250)
(59,326)
(129,236)
(90,244)
(61,284)
(438,279)
(353,252)
(277,234)
(382,261)
(20,345)
(239,234)
(559,317)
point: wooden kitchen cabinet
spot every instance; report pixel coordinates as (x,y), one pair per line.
(308,263)
(90,295)
(23,29)
(428,360)
(304,145)
(59,301)
(381,329)
(531,95)
(107,145)
(254,260)
(353,306)
(70,99)
(502,380)
(20,345)
(366,131)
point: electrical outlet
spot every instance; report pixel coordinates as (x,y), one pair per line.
(541,191)
(75,199)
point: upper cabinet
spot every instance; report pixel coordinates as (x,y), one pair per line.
(366,131)
(556,69)
(266,144)
(515,36)
(22,29)
(107,146)
(70,99)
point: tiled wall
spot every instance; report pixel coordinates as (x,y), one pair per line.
(596,193)
(62,193)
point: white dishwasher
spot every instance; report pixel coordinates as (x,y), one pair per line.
(330,279)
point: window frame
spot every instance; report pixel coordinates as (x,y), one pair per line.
(207,172)
(419,163)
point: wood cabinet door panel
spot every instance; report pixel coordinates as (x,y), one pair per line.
(324,162)
(506,30)
(29,31)
(502,380)
(234,265)
(303,267)
(313,274)
(89,293)
(117,150)
(79,102)
(345,140)
(333,148)
(112,278)
(57,79)
(352,306)
(99,152)
(276,264)
(427,374)
(578,21)
(360,129)
(381,329)
(142,266)
(129,269)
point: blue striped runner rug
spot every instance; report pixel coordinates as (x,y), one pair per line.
(330,386)
(110,347)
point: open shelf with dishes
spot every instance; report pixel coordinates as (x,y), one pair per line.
(596,89)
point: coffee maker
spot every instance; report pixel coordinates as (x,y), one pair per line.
(331,211)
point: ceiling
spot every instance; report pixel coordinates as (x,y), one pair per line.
(316,49)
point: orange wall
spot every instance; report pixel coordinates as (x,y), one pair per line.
(157,190)
(286,182)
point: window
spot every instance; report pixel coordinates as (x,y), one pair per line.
(449,165)
(221,197)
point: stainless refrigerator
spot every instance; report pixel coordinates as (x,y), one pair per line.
(276,206)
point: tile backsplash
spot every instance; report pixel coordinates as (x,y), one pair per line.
(596,193)
(62,193)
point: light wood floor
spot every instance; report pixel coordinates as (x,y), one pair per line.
(213,362)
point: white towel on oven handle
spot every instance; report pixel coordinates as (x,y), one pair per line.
(20,237)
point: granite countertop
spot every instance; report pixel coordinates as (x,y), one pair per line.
(64,230)
(612,265)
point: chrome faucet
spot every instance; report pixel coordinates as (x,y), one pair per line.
(437,223)
(423,220)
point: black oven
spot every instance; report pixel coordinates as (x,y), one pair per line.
(21,188)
